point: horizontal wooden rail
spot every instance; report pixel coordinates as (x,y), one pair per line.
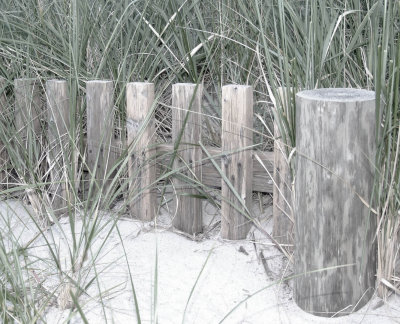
(210,175)
(262,182)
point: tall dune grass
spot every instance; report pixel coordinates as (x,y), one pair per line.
(268,44)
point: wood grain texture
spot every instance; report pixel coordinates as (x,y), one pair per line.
(210,176)
(261,181)
(100,130)
(28,108)
(283,225)
(186,115)
(142,166)
(58,120)
(237,136)
(335,142)
(28,114)
(3,152)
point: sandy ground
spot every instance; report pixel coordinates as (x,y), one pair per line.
(212,279)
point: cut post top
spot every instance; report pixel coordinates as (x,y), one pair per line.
(56,81)
(337,95)
(98,81)
(141,83)
(131,86)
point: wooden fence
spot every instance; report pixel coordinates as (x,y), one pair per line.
(234,167)
(335,227)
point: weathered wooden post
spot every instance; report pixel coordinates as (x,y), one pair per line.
(142,169)
(237,165)
(58,119)
(283,226)
(3,153)
(335,141)
(100,129)
(186,116)
(28,112)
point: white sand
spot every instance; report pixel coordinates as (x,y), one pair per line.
(228,278)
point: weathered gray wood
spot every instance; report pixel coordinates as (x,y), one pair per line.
(28,109)
(100,130)
(210,176)
(141,132)
(3,152)
(237,123)
(186,114)
(283,225)
(335,141)
(261,181)
(28,113)
(58,119)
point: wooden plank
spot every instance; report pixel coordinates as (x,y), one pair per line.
(100,131)
(335,141)
(283,225)
(142,166)
(237,122)
(28,113)
(3,152)
(58,119)
(210,175)
(186,115)
(28,109)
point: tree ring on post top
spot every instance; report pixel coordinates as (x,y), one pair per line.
(338,94)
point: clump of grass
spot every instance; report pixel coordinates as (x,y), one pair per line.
(268,44)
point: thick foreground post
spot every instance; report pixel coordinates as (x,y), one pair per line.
(58,119)
(186,115)
(142,169)
(100,129)
(237,165)
(335,140)
(283,227)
